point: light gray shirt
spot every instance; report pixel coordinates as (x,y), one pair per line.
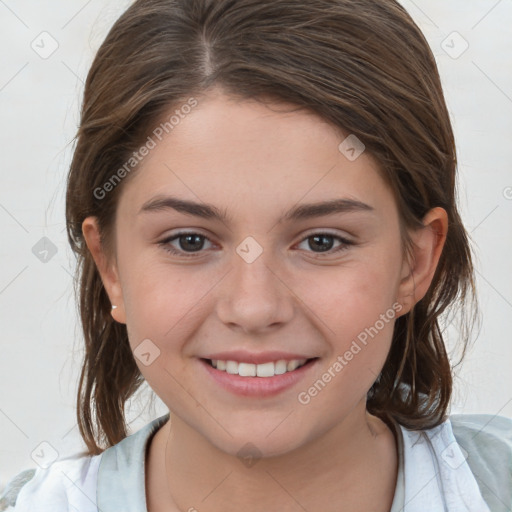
(462,465)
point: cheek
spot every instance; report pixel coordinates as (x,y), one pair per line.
(355,308)
(357,321)
(354,296)
(160,304)
(161,301)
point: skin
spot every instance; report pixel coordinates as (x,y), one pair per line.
(257,163)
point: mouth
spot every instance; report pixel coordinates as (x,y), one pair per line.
(258,380)
(265,370)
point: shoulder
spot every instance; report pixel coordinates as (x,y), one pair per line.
(67,483)
(487,443)
(121,476)
(81,481)
(485,435)
(13,487)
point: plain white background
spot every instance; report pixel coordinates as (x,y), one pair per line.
(40,95)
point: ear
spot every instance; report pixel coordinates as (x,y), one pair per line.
(108,271)
(418,270)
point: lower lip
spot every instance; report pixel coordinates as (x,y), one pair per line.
(258,386)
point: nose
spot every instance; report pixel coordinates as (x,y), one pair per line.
(255,297)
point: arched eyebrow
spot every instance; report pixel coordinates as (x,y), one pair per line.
(299,212)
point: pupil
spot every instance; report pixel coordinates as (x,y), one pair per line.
(327,239)
(194,238)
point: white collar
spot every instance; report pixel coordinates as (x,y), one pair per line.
(433,473)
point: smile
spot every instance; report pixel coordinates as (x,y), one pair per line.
(258,370)
(257,380)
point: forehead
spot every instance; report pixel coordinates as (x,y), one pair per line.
(251,157)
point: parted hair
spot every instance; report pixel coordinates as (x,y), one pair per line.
(362,65)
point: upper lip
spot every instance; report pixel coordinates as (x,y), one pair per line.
(242,356)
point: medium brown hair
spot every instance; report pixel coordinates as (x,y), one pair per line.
(362,65)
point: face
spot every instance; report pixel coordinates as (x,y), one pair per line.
(326,286)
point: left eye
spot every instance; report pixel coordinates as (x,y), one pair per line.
(323,239)
(192,243)
(189,242)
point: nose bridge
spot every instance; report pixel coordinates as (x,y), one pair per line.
(257,275)
(256,297)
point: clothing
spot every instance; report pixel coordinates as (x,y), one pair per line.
(462,465)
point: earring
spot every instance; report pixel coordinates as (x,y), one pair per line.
(114,307)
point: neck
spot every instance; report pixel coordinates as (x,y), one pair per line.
(353,465)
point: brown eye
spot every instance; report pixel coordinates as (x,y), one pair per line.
(323,243)
(188,244)
(191,242)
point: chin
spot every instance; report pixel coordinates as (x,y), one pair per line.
(254,444)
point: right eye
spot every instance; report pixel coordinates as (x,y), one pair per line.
(187,240)
(323,238)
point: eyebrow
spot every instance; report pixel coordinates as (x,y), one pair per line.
(300,212)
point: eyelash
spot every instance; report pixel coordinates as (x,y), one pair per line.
(168,248)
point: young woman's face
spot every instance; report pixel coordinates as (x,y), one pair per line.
(261,280)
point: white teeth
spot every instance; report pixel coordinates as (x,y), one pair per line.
(260,370)
(264,370)
(246,370)
(292,365)
(281,367)
(232,367)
